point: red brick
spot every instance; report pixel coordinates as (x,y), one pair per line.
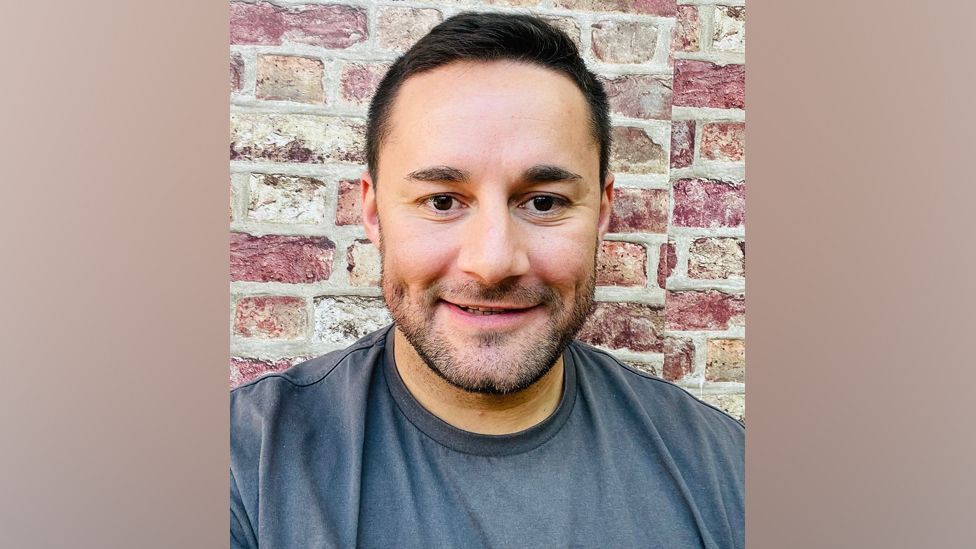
(639,210)
(666,263)
(635,152)
(679,358)
(634,326)
(236,72)
(724,141)
(704,84)
(399,28)
(243,370)
(685,37)
(290,78)
(639,96)
(716,258)
(647,7)
(330,26)
(682,143)
(349,209)
(363,263)
(624,41)
(621,264)
(359,81)
(276,258)
(709,203)
(726,360)
(271,317)
(259,23)
(704,310)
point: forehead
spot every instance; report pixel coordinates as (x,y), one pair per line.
(490,112)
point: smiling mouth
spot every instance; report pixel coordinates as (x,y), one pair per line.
(487,311)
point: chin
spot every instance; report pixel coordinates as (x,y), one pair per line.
(488,364)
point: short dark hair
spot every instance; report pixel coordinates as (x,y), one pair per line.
(490,37)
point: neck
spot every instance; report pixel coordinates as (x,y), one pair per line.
(477,412)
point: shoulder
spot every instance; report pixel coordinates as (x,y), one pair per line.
(701,446)
(669,406)
(339,373)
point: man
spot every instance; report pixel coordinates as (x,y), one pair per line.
(475,420)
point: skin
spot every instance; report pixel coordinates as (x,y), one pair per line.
(488,197)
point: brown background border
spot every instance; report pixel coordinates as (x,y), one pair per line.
(114,276)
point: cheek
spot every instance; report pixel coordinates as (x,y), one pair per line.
(564,259)
(415,254)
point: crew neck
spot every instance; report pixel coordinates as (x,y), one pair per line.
(467,442)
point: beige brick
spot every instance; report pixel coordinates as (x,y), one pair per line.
(286,199)
(729,29)
(634,151)
(624,41)
(303,138)
(399,28)
(289,78)
(732,404)
(726,360)
(716,258)
(364,263)
(341,320)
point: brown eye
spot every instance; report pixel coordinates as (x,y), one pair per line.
(543,203)
(442,202)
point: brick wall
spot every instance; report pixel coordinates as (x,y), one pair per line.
(671,278)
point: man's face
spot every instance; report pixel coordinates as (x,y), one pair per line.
(488,213)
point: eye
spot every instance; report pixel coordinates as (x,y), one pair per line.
(442,202)
(545,205)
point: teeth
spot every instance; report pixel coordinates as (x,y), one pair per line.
(478,311)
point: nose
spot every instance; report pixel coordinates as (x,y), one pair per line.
(492,246)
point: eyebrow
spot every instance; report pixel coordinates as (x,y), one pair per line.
(544,173)
(439,173)
(541,173)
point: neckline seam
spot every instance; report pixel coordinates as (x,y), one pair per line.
(441,433)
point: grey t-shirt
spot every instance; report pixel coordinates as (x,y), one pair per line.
(335,452)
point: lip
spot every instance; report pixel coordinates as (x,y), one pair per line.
(491,306)
(512,317)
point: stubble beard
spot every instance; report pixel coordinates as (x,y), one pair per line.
(494,363)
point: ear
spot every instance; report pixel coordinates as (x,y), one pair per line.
(371,216)
(606,206)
